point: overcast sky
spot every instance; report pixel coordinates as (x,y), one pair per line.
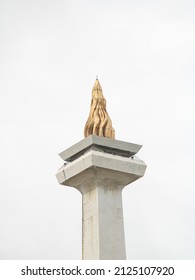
(144,55)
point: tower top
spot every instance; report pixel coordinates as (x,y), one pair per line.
(99,122)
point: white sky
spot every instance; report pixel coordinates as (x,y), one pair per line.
(144,55)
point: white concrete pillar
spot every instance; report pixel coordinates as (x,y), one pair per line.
(103,228)
(100,168)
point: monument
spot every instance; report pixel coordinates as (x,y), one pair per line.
(99,167)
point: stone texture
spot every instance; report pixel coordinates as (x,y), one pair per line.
(103,229)
(103,144)
(100,176)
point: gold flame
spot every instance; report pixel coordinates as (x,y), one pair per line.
(99,122)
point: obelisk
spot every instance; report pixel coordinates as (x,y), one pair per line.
(100,167)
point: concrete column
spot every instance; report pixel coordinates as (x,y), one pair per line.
(100,168)
(103,229)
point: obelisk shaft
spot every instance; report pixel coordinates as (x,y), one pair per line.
(103,228)
(100,168)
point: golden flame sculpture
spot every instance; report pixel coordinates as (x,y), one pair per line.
(99,122)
